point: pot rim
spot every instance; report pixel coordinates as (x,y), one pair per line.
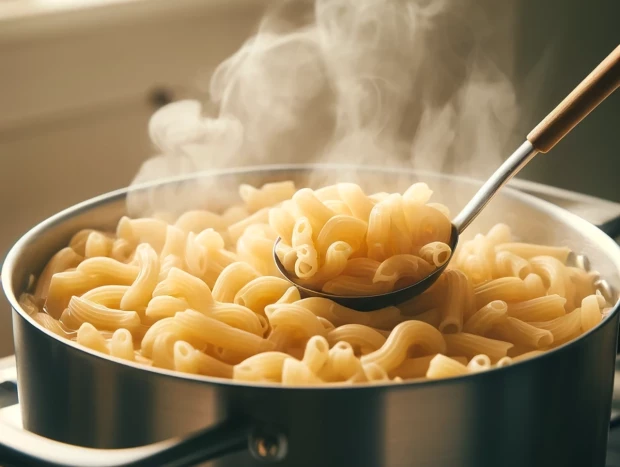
(14,254)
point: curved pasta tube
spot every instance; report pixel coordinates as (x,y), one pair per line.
(260,292)
(312,208)
(417,194)
(257,251)
(339,207)
(169,262)
(483,320)
(529,251)
(266,366)
(521,333)
(552,271)
(436,253)
(348,285)
(121,345)
(400,237)
(405,335)
(378,234)
(316,353)
(341,228)
(140,292)
(78,241)
(164,306)
(296,317)
(457,302)
(238,317)
(181,284)
(189,360)
(84,311)
(283,223)
(90,337)
(52,325)
(145,230)
(357,201)
(509,264)
(335,261)
(163,350)
(427,225)
(307,262)
(107,295)
(296,373)
(175,242)
(538,309)
(238,228)
(109,270)
(445,367)
(267,195)
(231,281)
(122,250)
(362,337)
(65,259)
(590,312)
(361,267)
(328,193)
(471,345)
(385,318)
(402,266)
(302,233)
(290,296)
(97,244)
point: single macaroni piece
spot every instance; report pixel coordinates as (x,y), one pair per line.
(200,293)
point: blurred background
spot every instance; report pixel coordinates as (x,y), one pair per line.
(79,80)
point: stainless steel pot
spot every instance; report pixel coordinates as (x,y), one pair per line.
(551,410)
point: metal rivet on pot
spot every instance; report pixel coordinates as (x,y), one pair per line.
(268,446)
(582,262)
(606,290)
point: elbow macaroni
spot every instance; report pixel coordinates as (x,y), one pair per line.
(201,295)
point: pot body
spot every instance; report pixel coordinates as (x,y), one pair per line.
(551,410)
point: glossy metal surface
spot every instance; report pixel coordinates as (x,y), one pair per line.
(552,410)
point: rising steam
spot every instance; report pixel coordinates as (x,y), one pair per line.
(371,82)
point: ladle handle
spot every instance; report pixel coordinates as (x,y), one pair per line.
(593,90)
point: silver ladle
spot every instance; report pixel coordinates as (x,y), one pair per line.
(593,90)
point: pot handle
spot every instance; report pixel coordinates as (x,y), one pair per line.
(19,447)
(611,227)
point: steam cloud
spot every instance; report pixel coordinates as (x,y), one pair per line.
(371,82)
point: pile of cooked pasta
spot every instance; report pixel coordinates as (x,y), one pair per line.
(201,294)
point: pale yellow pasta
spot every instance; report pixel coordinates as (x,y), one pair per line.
(436,253)
(231,280)
(563,328)
(445,367)
(295,317)
(553,271)
(283,223)
(509,264)
(534,286)
(268,195)
(296,373)
(487,317)
(378,234)
(590,312)
(316,353)
(212,331)
(508,289)
(313,209)
(97,244)
(471,345)
(359,336)
(176,239)
(82,311)
(328,193)
(189,360)
(121,345)
(239,317)
(405,335)
(109,270)
(350,285)
(201,294)
(359,204)
(260,292)
(528,250)
(341,228)
(107,295)
(266,366)
(456,304)
(521,333)
(53,325)
(236,230)
(163,350)
(479,363)
(361,267)
(418,193)
(398,267)
(164,306)
(181,284)
(335,262)
(338,207)
(341,364)
(538,309)
(146,230)
(89,337)
(139,293)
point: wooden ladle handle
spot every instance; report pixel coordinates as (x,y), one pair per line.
(593,90)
